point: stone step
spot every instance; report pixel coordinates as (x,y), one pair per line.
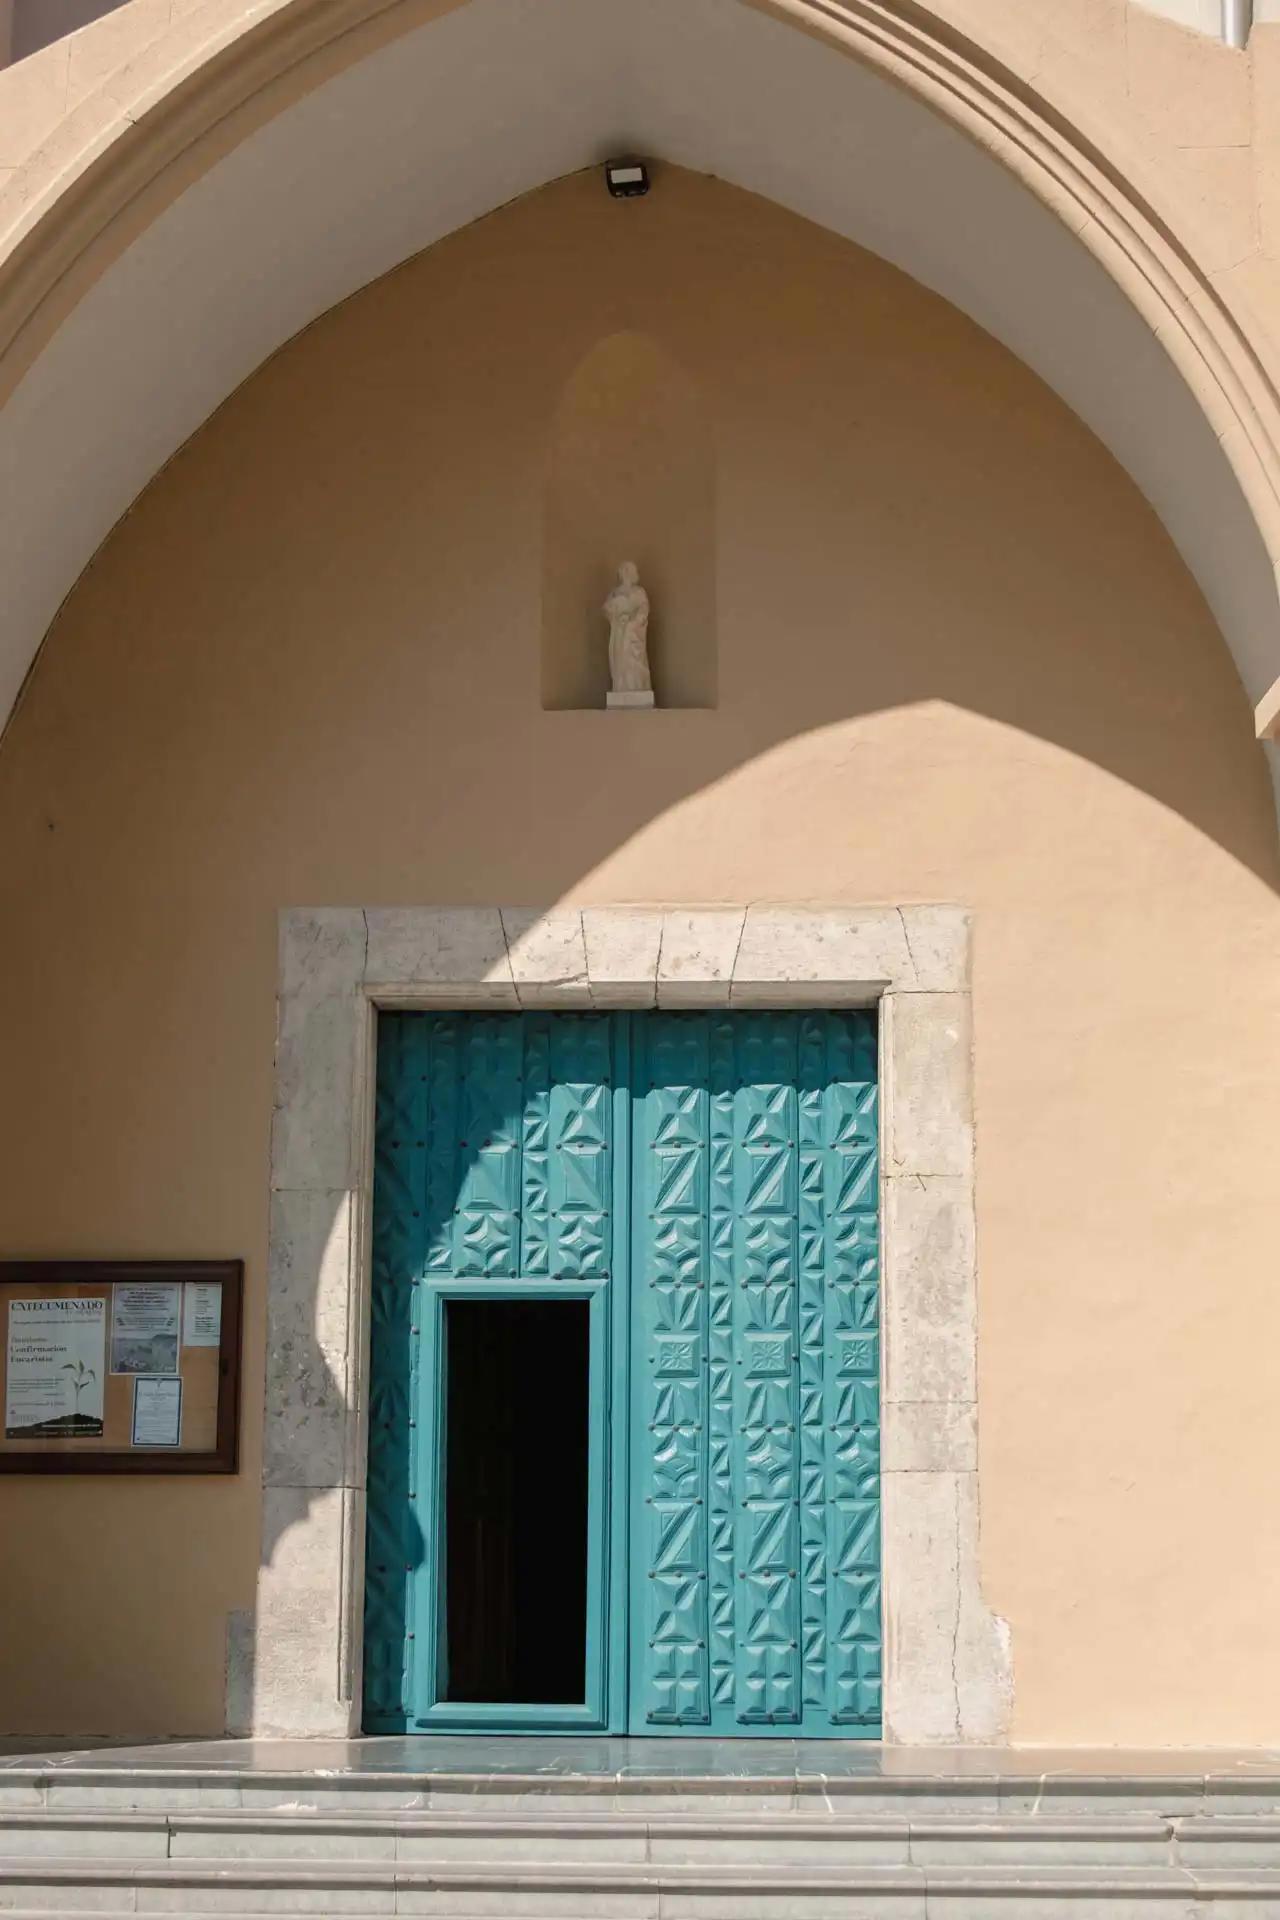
(838,1839)
(910,1795)
(248,1890)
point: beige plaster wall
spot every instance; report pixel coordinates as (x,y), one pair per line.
(958,659)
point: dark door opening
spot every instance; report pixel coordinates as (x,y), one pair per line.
(515,1562)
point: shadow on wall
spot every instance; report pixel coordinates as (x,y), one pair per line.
(941,612)
(406,1226)
(945,680)
(870,515)
(38,23)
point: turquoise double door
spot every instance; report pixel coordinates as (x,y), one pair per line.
(623,1463)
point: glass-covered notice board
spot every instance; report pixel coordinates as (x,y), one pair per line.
(119,1366)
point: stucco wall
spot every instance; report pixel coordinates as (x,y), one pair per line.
(958,659)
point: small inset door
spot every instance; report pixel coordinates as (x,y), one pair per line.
(516,1519)
(623,1466)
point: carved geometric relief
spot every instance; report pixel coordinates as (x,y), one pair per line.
(493,1160)
(757,1343)
(853,1377)
(581,1133)
(669,1289)
(766,1398)
(755,1530)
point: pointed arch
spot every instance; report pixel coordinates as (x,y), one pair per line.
(261,161)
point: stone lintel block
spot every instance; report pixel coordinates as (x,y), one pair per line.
(308,1437)
(322,952)
(938,947)
(440,955)
(300,1625)
(547,955)
(929,1436)
(827,956)
(930,1295)
(835,957)
(699,948)
(928,1084)
(622,956)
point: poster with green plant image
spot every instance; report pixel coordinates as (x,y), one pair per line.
(55,1363)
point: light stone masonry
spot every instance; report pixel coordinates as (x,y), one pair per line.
(947,1657)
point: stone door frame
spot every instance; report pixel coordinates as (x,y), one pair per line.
(296,1665)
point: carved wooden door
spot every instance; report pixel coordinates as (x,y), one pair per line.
(704,1188)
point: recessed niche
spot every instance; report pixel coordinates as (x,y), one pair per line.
(630,476)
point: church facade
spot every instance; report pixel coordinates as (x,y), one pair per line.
(640,645)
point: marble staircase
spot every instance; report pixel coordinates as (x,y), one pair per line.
(655,1830)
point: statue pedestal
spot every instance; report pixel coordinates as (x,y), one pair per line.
(629,699)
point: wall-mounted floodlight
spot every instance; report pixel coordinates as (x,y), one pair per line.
(626,179)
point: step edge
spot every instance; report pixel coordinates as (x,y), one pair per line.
(643,1876)
(803,1778)
(1029,1826)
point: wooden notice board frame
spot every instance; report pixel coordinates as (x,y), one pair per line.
(37,1282)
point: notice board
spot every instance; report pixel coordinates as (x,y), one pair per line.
(120,1366)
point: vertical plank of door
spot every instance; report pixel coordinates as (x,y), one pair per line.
(394,1543)
(722,1432)
(851,1188)
(767,1626)
(616,1601)
(812,1075)
(669,1590)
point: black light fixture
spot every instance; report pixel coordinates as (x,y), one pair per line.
(626,179)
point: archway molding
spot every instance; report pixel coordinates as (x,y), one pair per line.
(262,161)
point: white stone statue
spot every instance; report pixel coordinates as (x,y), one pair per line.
(627,611)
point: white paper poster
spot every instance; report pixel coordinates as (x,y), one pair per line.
(144,1329)
(55,1363)
(201,1314)
(157,1412)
